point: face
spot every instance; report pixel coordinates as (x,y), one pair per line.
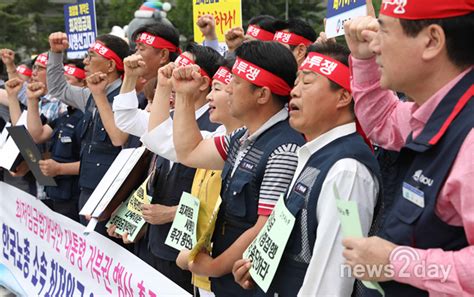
(219,109)
(74,81)
(241,97)
(313,103)
(398,55)
(151,57)
(94,62)
(39,73)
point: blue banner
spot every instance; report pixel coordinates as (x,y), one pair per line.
(336,7)
(81,27)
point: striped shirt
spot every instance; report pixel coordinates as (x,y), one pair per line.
(280,167)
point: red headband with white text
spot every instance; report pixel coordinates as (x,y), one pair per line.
(259,33)
(157,42)
(107,53)
(426,9)
(329,67)
(42,59)
(260,77)
(74,71)
(223,75)
(291,38)
(22,69)
(182,61)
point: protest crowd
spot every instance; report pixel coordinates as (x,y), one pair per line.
(311,160)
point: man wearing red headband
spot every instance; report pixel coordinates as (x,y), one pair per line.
(257,162)
(75,73)
(101,139)
(335,155)
(156,45)
(169,179)
(425,50)
(298,36)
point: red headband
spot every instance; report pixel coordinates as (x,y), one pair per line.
(260,77)
(42,59)
(157,42)
(426,9)
(182,61)
(259,33)
(291,38)
(107,53)
(327,66)
(22,69)
(74,71)
(223,75)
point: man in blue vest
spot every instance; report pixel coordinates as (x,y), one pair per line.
(101,139)
(257,162)
(335,155)
(425,50)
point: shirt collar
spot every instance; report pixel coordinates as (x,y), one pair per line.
(324,139)
(113,86)
(276,118)
(421,114)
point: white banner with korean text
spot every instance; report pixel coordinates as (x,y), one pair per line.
(48,255)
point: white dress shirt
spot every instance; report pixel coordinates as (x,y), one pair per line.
(354,182)
(128,117)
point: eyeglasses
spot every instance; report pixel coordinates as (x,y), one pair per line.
(38,68)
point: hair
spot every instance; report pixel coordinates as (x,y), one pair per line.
(273,57)
(76,62)
(301,28)
(229,62)
(116,44)
(207,58)
(162,30)
(33,61)
(337,52)
(268,23)
(149,88)
(458,31)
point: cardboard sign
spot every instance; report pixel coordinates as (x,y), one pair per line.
(227,14)
(127,221)
(266,250)
(351,227)
(339,11)
(182,234)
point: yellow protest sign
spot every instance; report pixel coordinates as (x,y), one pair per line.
(227,13)
(139,197)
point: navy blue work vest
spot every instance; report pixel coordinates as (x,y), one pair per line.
(302,202)
(168,185)
(240,194)
(65,148)
(424,164)
(97,150)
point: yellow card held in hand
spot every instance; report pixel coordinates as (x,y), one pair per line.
(139,197)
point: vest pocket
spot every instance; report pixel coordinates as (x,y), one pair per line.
(93,168)
(64,144)
(100,133)
(236,204)
(407,211)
